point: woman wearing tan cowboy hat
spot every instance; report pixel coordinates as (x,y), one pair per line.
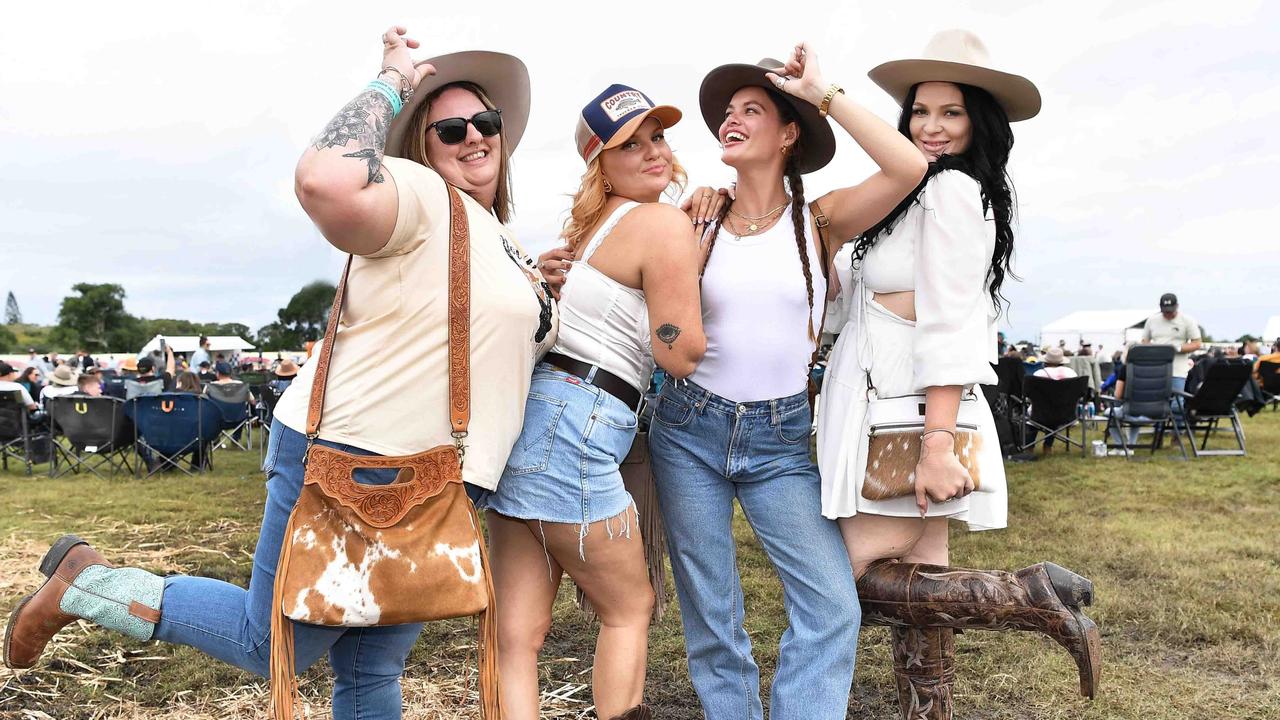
(374,183)
(738,427)
(562,506)
(927,280)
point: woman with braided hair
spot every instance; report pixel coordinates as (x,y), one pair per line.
(738,427)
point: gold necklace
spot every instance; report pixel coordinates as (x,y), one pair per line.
(754,221)
(733,227)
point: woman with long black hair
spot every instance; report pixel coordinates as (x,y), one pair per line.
(925,281)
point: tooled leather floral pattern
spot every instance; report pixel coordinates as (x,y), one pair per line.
(381,505)
(459,314)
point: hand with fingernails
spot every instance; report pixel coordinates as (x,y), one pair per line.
(800,76)
(395,54)
(555,265)
(940,476)
(703,205)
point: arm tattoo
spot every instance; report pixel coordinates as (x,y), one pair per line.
(668,333)
(362,124)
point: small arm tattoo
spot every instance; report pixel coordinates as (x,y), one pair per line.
(374,158)
(668,333)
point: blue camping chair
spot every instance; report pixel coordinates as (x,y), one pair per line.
(171,425)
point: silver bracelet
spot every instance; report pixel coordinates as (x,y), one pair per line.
(926,433)
(406,88)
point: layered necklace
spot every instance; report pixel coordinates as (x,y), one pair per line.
(754,224)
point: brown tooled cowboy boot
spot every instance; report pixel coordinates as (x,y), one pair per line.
(81,584)
(639,712)
(924,668)
(1043,597)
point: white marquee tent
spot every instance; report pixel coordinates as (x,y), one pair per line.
(190,343)
(1273,330)
(1105,329)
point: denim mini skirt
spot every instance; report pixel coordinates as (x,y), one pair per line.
(564,467)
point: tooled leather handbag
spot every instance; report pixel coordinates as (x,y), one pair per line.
(357,555)
(894,429)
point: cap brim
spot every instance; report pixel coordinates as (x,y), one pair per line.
(721,83)
(504,78)
(1017,95)
(668,115)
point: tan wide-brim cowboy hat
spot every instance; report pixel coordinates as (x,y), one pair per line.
(818,143)
(504,78)
(286,368)
(63,375)
(959,56)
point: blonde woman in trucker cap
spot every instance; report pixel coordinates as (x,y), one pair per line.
(561,506)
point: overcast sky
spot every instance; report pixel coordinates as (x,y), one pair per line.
(152,144)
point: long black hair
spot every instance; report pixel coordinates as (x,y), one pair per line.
(795,183)
(985,160)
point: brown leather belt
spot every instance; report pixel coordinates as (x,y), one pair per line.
(601,378)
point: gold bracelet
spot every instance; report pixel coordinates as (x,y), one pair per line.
(826,99)
(927,433)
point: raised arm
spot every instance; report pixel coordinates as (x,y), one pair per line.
(669,278)
(853,209)
(339,179)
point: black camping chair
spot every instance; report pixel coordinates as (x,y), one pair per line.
(171,425)
(1055,409)
(1213,401)
(232,401)
(1148,387)
(1012,401)
(1269,380)
(92,432)
(18,437)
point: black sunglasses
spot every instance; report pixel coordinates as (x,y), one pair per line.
(452,131)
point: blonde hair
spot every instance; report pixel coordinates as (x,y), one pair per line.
(415,145)
(589,201)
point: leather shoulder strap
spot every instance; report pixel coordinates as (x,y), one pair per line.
(821,222)
(459,327)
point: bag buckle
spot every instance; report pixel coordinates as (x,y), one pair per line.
(306,453)
(461,447)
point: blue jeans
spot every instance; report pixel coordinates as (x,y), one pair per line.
(706,451)
(232,624)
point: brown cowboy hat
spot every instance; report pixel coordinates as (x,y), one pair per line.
(959,56)
(718,87)
(504,78)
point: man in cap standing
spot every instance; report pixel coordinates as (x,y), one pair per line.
(1170,327)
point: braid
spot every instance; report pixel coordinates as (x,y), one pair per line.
(711,244)
(796,183)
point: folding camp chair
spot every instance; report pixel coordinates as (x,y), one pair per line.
(150,388)
(1055,409)
(1213,401)
(17,436)
(170,425)
(1148,387)
(1011,402)
(90,432)
(232,401)
(1269,381)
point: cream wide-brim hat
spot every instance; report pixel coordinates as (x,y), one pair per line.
(959,56)
(504,78)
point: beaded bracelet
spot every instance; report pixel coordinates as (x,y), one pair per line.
(389,93)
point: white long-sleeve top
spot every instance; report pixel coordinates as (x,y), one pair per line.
(941,249)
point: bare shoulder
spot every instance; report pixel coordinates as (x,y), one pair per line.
(655,221)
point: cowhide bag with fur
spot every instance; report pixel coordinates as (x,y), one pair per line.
(358,555)
(893,438)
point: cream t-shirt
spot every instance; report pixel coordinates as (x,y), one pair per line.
(388,388)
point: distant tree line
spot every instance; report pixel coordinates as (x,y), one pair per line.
(94,318)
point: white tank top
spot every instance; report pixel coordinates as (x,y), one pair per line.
(755,312)
(602,321)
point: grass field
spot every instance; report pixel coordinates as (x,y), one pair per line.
(1185,558)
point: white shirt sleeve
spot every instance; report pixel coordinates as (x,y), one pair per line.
(954,340)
